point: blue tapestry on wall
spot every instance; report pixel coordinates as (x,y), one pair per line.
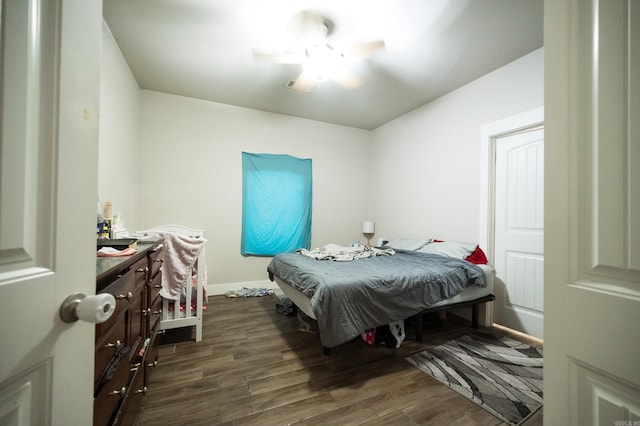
(276,204)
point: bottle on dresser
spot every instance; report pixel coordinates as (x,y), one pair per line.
(100,222)
(108,220)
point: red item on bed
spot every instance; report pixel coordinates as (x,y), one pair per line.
(477,257)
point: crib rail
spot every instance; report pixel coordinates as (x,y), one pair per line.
(178,313)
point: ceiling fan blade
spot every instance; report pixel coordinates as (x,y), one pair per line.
(364,50)
(278,57)
(347,80)
(305,83)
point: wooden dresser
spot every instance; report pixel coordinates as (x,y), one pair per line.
(126,344)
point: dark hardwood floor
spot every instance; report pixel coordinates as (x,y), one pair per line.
(254,366)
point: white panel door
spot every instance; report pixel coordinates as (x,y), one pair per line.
(49,81)
(592,212)
(519,231)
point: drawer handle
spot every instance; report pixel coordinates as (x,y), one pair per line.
(142,391)
(117,345)
(159,260)
(121,391)
(145,312)
(153,364)
(158,312)
(127,296)
(157,286)
(145,269)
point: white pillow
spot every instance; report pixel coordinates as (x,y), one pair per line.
(450,248)
(404,244)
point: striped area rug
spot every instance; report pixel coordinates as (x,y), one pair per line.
(503,376)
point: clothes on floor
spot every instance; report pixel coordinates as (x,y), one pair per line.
(249,292)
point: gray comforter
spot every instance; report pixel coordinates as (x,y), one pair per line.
(350,297)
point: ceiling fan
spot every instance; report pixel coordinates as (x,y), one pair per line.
(316,52)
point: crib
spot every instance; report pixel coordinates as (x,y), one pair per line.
(186,312)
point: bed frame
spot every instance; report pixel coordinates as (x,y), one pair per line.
(175,314)
(474,312)
(303,303)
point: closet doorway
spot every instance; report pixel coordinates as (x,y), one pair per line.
(512,219)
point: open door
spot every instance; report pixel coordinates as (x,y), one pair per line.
(592,212)
(519,230)
(49,81)
(511,220)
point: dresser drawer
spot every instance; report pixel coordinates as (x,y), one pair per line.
(137,323)
(156,259)
(129,409)
(141,271)
(111,394)
(153,315)
(151,358)
(154,288)
(124,291)
(108,347)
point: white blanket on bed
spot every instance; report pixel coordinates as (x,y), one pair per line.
(344,254)
(181,255)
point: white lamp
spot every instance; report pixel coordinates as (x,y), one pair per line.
(368,229)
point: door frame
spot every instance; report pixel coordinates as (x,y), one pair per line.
(489,134)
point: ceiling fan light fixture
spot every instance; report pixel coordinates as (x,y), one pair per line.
(317,56)
(321,61)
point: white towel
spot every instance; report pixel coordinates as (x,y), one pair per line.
(181,255)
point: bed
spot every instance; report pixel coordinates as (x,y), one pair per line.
(348,297)
(184,277)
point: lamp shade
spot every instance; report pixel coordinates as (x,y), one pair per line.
(368,227)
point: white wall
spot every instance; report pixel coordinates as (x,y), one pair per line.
(427,162)
(192,174)
(119,122)
(170,159)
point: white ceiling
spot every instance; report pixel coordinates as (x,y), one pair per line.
(203,49)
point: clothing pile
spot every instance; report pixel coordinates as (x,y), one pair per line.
(286,307)
(390,335)
(249,292)
(344,254)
